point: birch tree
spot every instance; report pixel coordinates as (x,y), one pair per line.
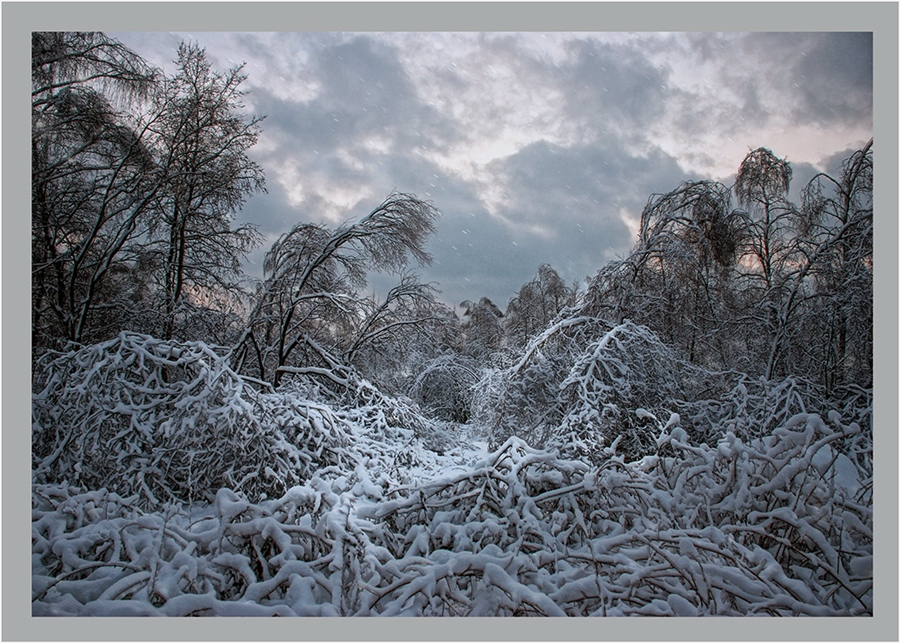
(203,138)
(536,304)
(93,183)
(310,294)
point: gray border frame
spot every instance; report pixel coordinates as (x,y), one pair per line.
(20,18)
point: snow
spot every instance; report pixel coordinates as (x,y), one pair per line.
(492,540)
(339,507)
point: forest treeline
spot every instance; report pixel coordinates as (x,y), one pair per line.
(137,178)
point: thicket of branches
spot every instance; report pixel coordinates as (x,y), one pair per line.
(774,517)
(309,316)
(169,422)
(774,526)
(755,289)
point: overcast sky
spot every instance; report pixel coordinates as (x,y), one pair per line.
(536,147)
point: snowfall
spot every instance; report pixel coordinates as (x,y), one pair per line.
(164,484)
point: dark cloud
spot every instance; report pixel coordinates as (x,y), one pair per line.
(565,206)
(366,90)
(474,254)
(362,124)
(727,95)
(613,85)
(578,179)
(269,211)
(760,88)
(823,76)
(356,87)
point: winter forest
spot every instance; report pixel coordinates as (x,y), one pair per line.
(687,432)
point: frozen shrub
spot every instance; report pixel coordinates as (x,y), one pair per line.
(752,407)
(585,385)
(171,422)
(525,394)
(486,395)
(771,526)
(613,393)
(529,405)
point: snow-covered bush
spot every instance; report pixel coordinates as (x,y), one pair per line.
(592,389)
(486,396)
(751,408)
(525,393)
(771,526)
(613,393)
(385,419)
(171,422)
(585,385)
(528,405)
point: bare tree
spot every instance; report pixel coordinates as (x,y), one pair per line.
(825,326)
(536,304)
(309,296)
(135,181)
(771,289)
(769,219)
(93,182)
(394,328)
(202,139)
(679,277)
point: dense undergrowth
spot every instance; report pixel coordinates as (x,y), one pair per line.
(165,484)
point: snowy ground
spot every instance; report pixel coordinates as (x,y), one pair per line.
(382,519)
(514,532)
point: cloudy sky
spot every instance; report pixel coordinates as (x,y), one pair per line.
(536,147)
